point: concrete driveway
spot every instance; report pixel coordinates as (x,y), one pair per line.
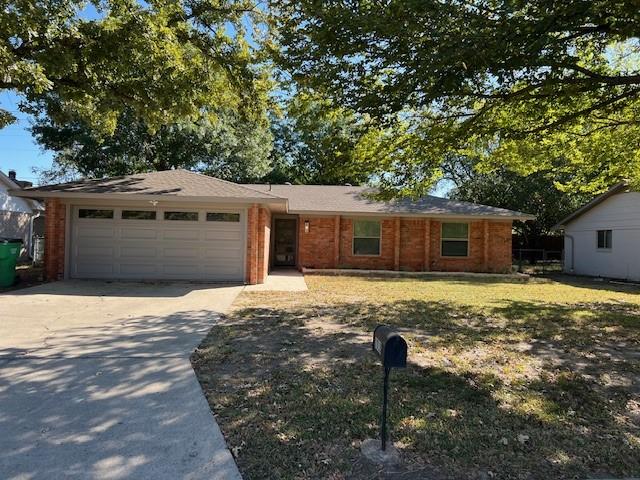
(95,382)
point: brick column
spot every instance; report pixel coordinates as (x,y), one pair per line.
(485,256)
(336,242)
(427,245)
(396,244)
(263,241)
(251,274)
(55,226)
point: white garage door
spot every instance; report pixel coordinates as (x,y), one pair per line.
(164,244)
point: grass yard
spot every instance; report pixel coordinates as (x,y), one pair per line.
(507,379)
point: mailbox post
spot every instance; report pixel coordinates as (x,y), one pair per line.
(392,350)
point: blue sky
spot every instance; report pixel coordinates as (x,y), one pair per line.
(18,150)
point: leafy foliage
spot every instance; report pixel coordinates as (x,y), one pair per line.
(316,142)
(230,148)
(536,86)
(164,60)
(535,193)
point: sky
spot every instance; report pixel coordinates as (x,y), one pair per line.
(18,150)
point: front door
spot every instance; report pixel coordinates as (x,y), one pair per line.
(285,242)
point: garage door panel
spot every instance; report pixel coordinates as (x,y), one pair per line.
(138,252)
(144,270)
(158,249)
(95,269)
(127,233)
(92,232)
(172,234)
(96,251)
(224,235)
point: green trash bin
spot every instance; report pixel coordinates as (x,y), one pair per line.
(9,253)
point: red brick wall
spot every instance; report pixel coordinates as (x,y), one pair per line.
(386,259)
(316,249)
(251,276)
(499,247)
(412,244)
(405,245)
(264,242)
(258,242)
(494,256)
(55,223)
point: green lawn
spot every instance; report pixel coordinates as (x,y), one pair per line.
(507,379)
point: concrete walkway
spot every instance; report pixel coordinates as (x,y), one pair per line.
(281,280)
(96,383)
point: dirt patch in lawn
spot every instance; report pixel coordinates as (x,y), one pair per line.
(506,380)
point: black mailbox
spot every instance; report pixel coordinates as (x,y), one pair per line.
(390,346)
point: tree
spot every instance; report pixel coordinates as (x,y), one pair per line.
(165,60)
(316,142)
(535,86)
(229,148)
(536,194)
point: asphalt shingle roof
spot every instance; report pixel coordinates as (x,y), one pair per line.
(348,199)
(335,199)
(177,183)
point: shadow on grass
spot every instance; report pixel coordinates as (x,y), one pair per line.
(296,388)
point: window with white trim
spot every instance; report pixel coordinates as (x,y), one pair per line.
(454,240)
(366,237)
(604,239)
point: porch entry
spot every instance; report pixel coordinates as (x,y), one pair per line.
(285,242)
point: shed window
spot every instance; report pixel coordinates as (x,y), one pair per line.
(94,213)
(455,240)
(366,237)
(222,217)
(604,239)
(138,215)
(184,216)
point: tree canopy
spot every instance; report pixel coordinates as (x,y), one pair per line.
(536,86)
(230,148)
(165,60)
(535,193)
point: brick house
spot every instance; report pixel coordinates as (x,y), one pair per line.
(180,225)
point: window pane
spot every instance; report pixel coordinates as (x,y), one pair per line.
(185,216)
(222,217)
(138,215)
(366,246)
(454,248)
(604,238)
(455,230)
(366,228)
(94,213)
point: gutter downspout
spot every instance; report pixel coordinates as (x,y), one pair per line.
(31,249)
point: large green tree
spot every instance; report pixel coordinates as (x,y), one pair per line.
(165,59)
(316,142)
(536,86)
(231,147)
(536,193)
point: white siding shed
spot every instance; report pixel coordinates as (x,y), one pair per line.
(615,251)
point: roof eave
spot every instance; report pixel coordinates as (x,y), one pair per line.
(562,224)
(520,217)
(35,194)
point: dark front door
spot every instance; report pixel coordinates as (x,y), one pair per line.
(285,242)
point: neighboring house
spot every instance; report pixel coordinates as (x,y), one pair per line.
(17,214)
(603,237)
(178,224)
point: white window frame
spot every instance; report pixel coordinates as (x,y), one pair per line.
(606,248)
(443,239)
(353,238)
